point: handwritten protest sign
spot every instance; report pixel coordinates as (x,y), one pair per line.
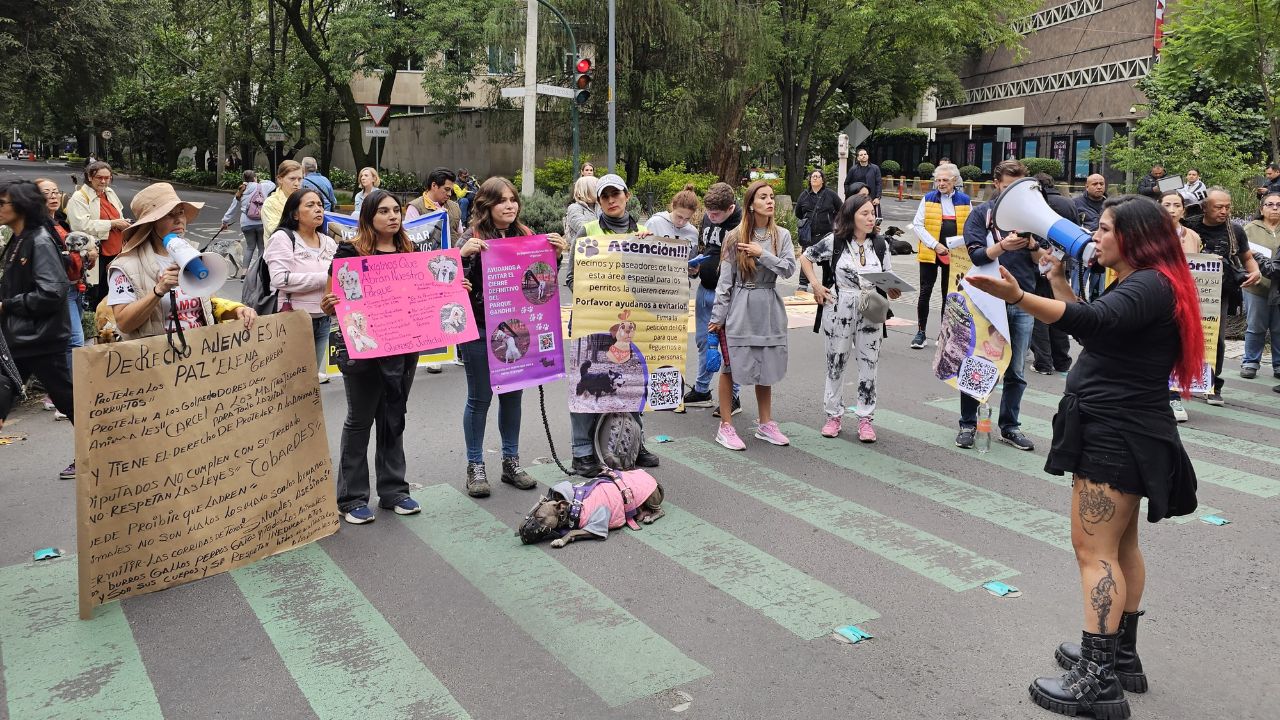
(630,309)
(1206,270)
(522,313)
(402,303)
(195,462)
(429,232)
(973,346)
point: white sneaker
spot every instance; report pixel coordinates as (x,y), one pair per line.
(1179,412)
(324,378)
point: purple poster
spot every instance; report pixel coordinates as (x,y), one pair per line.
(522,313)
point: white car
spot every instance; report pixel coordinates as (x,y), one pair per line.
(24,154)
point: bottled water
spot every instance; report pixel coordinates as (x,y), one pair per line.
(983,439)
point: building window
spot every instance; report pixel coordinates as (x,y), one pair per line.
(986,157)
(1082,156)
(1030,148)
(502,61)
(415,64)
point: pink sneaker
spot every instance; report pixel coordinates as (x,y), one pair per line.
(832,428)
(770,433)
(728,437)
(866,433)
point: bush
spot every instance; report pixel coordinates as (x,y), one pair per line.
(230,181)
(890,167)
(151,170)
(970,172)
(75,160)
(397,181)
(341,179)
(544,213)
(555,177)
(1049,166)
(903,133)
(925,170)
(665,183)
(191,176)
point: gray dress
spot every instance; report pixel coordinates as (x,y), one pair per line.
(753,315)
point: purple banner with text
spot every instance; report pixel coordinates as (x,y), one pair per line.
(403,303)
(522,313)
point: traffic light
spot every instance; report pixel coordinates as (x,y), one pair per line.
(583,81)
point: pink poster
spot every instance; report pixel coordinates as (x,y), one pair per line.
(522,313)
(397,304)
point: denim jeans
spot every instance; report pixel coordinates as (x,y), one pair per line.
(475,414)
(364,403)
(76,312)
(1261,318)
(705,301)
(252,243)
(320,332)
(1015,380)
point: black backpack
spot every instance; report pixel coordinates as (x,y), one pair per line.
(878,245)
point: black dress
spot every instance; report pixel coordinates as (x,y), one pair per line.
(1114,425)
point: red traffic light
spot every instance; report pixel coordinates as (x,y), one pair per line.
(584,65)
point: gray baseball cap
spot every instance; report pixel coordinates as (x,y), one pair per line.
(610,181)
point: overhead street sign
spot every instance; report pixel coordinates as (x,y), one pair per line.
(377,132)
(378,113)
(552,90)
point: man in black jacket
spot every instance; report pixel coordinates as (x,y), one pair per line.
(868,173)
(722,216)
(1050,346)
(1150,185)
(1273,180)
(1088,208)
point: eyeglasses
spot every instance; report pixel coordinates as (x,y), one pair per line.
(1271,205)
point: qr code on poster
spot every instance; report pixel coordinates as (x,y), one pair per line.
(665,385)
(546,342)
(977,377)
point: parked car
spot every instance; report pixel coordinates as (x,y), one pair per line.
(24,154)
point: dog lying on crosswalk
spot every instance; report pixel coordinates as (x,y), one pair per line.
(571,512)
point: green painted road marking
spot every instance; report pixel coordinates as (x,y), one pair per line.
(1266,398)
(58,666)
(1238,480)
(1253,451)
(943,562)
(558,609)
(804,605)
(1026,463)
(1264,379)
(1020,517)
(345,657)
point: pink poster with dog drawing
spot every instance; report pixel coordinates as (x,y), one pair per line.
(522,313)
(403,303)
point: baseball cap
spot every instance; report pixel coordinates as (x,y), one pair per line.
(610,181)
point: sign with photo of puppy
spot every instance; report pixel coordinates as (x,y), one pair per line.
(522,313)
(630,324)
(403,303)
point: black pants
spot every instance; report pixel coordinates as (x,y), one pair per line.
(1050,346)
(99,291)
(1218,382)
(52,372)
(928,276)
(364,403)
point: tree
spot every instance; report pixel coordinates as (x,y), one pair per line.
(1232,110)
(1235,41)
(855,45)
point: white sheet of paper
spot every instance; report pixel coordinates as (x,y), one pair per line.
(887,281)
(991,306)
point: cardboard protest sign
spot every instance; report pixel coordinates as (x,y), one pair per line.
(1206,270)
(630,310)
(197,461)
(973,345)
(522,313)
(402,303)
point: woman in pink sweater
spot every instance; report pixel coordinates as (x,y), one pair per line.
(298,256)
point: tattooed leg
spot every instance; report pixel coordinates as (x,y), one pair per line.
(1100,519)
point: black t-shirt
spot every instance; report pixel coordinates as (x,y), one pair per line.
(1215,239)
(1130,341)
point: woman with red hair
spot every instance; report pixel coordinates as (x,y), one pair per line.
(1115,433)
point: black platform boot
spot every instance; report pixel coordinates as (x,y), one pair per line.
(1090,687)
(1128,665)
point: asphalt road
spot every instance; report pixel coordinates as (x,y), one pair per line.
(726,604)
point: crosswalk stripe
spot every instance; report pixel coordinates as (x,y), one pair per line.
(1264,382)
(1265,399)
(927,555)
(1210,472)
(1249,417)
(1026,463)
(1254,451)
(802,604)
(58,666)
(558,609)
(1024,518)
(343,654)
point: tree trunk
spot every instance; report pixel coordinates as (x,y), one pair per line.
(724,157)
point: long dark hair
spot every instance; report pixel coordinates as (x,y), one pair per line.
(288,220)
(1148,239)
(487,198)
(366,240)
(29,202)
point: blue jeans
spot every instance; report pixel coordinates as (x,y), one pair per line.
(75,311)
(706,299)
(465,206)
(1015,380)
(1261,318)
(320,333)
(475,415)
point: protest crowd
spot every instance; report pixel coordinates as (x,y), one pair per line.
(1115,432)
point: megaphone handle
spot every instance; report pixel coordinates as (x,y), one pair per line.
(181,346)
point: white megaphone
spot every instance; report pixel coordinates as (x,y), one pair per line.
(1022,208)
(200,274)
